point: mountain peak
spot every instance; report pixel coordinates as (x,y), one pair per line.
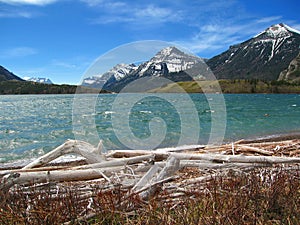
(261,57)
(278,31)
(170,59)
(38,80)
(171,52)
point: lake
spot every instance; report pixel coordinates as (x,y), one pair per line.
(31,125)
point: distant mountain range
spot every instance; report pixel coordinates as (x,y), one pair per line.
(170,63)
(38,80)
(262,57)
(271,55)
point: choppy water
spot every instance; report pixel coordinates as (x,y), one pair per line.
(31,125)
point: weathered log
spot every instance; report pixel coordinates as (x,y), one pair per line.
(48,168)
(54,176)
(183,148)
(242,148)
(118,162)
(208,165)
(82,148)
(171,167)
(146,179)
(208,157)
(237,158)
(158,156)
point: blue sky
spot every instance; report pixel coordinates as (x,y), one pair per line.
(59,39)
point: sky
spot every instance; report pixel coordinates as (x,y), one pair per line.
(60,39)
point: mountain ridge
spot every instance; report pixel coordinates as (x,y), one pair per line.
(7,75)
(262,57)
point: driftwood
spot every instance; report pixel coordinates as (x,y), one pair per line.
(146,172)
(208,157)
(84,149)
(56,175)
(170,168)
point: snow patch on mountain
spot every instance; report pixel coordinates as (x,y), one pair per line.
(173,58)
(121,70)
(278,31)
(116,73)
(38,80)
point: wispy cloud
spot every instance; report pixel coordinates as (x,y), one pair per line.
(217,36)
(15,13)
(269,19)
(64,64)
(92,3)
(129,12)
(18,52)
(28,2)
(208,26)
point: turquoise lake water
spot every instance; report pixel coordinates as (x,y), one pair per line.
(31,125)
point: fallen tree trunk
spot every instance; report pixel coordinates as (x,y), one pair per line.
(117,162)
(245,148)
(171,167)
(217,158)
(82,148)
(54,176)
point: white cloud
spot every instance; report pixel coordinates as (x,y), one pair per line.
(132,12)
(269,19)
(63,64)
(92,3)
(219,36)
(15,14)
(18,52)
(153,11)
(28,2)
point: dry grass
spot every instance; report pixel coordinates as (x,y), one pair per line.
(262,196)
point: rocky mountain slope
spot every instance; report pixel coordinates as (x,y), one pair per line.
(262,57)
(7,75)
(292,73)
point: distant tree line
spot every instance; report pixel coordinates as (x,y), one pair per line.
(21,87)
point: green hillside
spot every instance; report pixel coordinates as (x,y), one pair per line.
(231,86)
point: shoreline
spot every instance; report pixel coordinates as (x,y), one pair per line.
(272,138)
(74,159)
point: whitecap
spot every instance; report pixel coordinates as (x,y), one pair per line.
(145,111)
(108,112)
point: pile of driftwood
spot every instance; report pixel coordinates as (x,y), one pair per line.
(146,172)
(144,168)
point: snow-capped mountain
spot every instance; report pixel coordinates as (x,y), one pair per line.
(170,63)
(262,57)
(168,60)
(38,80)
(115,74)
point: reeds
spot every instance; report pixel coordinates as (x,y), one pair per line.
(260,196)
